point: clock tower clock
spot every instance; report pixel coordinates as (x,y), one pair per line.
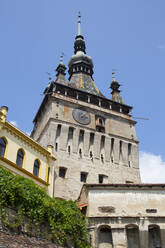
(81,116)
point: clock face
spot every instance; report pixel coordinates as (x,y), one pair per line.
(81,116)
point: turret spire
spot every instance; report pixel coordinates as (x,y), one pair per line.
(115,90)
(79,44)
(61,71)
(79,24)
(61,67)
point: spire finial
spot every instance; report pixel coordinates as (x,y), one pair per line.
(61,67)
(79,23)
(113,75)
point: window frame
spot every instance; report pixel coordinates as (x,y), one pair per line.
(62,172)
(23,158)
(5,147)
(39,167)
(83,176)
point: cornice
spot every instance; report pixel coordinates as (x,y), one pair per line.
(27,140)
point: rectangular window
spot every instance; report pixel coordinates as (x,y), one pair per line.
(62,172)
(48,174)
(101,178)
(83,177)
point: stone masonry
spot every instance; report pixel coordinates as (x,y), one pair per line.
(58,128)
(94,138)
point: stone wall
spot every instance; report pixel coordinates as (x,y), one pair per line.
(21,237)
(132,215)
(112,154)
(13,240)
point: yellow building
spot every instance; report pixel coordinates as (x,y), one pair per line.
(22,155)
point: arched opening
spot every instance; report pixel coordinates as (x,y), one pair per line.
(36,168)
(132,232)
(105,237)
(20,158)
(3,144)
(154,236)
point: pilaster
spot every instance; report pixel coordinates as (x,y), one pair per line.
(116,151)
(63,137)
(86,142)
(97,143)
(143,233)
(125,152)
(107,148)
(75,139)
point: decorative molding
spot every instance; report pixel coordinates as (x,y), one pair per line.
(27,140)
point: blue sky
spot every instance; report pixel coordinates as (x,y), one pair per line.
(126,35)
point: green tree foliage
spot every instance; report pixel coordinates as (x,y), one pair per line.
(65,221)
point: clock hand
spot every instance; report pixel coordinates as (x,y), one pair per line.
(83,116)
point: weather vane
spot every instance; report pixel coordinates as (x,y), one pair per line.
(79,16)
(61,57)
(79,23)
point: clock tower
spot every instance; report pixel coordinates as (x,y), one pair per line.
(93,138)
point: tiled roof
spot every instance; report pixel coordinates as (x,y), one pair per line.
(61,79)
(84,82)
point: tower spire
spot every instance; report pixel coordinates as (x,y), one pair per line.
(79,44)
(79,24)
(80,62)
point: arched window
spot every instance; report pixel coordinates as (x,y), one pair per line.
(132,232)
(105,237)
(36,168)
(2,147)
(154,236)
(20,158)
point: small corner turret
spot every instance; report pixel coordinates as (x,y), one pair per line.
(116,97)
(61,68)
